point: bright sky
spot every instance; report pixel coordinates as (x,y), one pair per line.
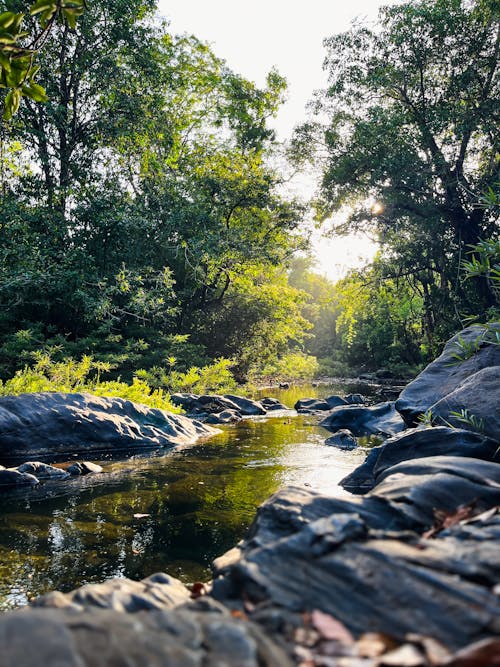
(255,36)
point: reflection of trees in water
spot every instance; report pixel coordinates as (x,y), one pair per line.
(199,501)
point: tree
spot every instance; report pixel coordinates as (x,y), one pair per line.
(412,138)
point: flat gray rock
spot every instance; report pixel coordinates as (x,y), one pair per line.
(50,424)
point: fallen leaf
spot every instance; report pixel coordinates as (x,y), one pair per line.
(444,519)
(404,656)
(373,644)
(485,653)
(306,636)
(435,652)
(197,590)
(330,628)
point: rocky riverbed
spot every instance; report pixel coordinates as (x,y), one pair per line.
(404,573)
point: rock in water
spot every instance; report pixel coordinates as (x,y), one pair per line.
(419,443)
(308,405)
(83,468)
(444,375)
(343,439)
(381,419)
(10,479)
(51,424)
(246,406)
(43,470)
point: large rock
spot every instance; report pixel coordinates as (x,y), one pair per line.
(419,443)
(51,424)
(475,402)
(200,633)
(43,470)
(246,406)
(224,417)
(311,405)
(381,419)
(159,591)
(444,375)
(323,555)
(11,479)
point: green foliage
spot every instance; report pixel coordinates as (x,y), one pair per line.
(215,377)
(464,416)
(19,48)
(70,375)
(291,366)
(411,147)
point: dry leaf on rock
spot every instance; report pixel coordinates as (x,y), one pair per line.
(404,656)
(444,519)
(435,652)
(329,628)
(373,644)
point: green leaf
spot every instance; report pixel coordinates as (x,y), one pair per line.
(11,104)
(43,6)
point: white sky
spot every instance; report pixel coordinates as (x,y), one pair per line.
(255,36)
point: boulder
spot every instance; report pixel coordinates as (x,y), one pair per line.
(381,419)
(342,439)
(84,468)
(477,404)
(447,373)
(246,406)
(194,634)
(43,470)
(159,591)
(353,399)
(419,443)
(52,424)
(334,401)
(271,404)
(224,417)
(12,478)
(318,553)
(309,405)
(184,400)
(213,403)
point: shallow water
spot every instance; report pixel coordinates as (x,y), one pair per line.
(197,503)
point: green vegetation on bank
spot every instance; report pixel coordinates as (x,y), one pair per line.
(145,228)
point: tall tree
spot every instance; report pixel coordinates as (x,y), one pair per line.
(412,140)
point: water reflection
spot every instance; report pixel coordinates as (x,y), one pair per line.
(197,504)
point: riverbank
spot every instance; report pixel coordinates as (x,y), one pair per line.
(414,559)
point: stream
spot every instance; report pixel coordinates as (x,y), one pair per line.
(174,512)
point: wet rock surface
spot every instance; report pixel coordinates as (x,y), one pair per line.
(381,419)
(342,439)
(48,424)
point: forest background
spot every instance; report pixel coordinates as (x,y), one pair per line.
(147,240)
